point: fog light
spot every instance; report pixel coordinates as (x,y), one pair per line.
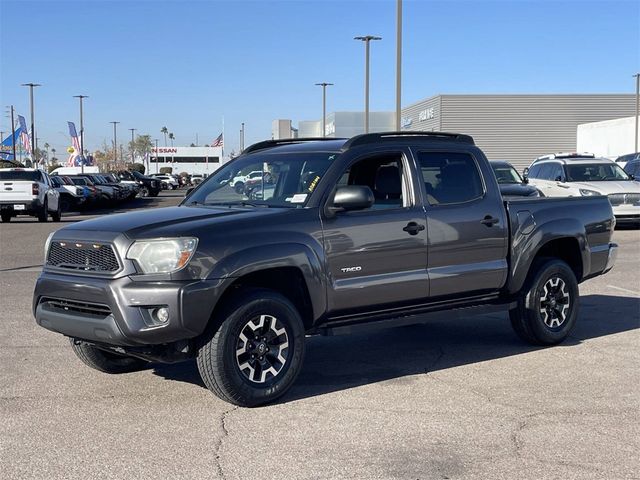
(162,315)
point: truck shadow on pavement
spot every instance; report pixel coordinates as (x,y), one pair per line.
(338,363)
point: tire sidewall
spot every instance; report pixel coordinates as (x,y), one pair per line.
(261,303)
(548,270)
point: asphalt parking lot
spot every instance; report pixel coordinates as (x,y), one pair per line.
(463,399)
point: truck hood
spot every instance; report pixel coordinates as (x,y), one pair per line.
(137,223)
(609,187)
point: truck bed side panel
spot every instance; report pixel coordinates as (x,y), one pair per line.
(586,222)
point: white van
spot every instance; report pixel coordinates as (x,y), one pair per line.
(74,170)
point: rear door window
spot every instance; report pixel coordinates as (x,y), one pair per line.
(450,177)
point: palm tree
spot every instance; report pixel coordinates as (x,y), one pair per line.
(172,138)
(46,147)
(164,131)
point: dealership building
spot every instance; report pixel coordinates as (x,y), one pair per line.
(517,128)
(202,160)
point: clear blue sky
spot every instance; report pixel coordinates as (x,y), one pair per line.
(186,64)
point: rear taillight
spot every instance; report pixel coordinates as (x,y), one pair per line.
(35,189)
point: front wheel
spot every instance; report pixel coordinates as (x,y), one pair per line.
(547,309)
(104,361)
(257,352)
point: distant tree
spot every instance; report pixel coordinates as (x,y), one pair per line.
(166,170)
(164,131)
(172,138)
(192,145)
(53,166)
(138,167)
(184,174)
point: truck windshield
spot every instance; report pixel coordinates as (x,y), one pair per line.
(18,175)
(595,172)
(271,180)
(506,174)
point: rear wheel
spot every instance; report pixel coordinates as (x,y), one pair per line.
(239,187)
(257,352)
(43,212)
(547,309)
(104,361)
(6,217)
(57,215)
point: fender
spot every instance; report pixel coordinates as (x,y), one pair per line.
(525,246)
(265,257)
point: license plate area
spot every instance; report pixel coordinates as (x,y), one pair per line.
(19,207)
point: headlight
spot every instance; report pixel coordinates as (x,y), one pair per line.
(46,246)
(162,255)
(588,193)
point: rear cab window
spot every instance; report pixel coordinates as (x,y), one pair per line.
(21,176)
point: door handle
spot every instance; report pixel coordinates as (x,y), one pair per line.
(489,221)
(413,228)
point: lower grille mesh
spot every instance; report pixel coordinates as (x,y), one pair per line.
(75,306)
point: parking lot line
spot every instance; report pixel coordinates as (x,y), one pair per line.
(624,290)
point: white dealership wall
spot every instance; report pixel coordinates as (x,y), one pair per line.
(610,138)
(203,160)
(346,124)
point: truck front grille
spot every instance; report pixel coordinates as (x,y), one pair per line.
(83,256)
(78,307)
(624,199)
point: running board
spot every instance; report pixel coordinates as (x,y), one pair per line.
(378,323)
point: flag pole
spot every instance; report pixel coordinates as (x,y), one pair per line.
(13,135)
(222,154)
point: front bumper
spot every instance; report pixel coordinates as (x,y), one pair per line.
(119,311)
(626,213)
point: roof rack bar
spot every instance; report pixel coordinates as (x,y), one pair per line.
(283,141)
(375,137)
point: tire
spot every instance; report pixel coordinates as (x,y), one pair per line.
(6,217)
(43,213)
(548,306)
(239,187)
(104,361)
(234,376)
(57,215)
(65,205)
(144,192)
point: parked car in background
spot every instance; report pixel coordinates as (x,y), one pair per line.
(237,182)
(107,193)
(28,191)
(94,193)
(168,181)
(632,168)
(131,188)
(196,179)
(564,156)
(624,159)
(148,186)
(510,182)
(71,196)
(588,177)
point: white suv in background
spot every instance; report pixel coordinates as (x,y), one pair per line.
(27,191)
(573,177)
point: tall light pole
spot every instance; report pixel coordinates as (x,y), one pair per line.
(34,147)
(398,65)
(637,75)
(367,40)
(132,140)
(81,97)
(115,142)
(242,138)
(324,86)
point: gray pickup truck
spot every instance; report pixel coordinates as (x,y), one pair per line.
(378,230)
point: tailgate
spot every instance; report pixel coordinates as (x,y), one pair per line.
(16,191)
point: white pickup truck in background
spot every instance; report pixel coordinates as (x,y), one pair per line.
(27,191)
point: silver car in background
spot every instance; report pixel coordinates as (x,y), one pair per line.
(563,177)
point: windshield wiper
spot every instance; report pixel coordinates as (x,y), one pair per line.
(242,203)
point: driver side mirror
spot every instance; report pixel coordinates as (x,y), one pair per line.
(350,198)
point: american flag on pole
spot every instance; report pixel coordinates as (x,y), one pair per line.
(24,135)
(218,142)
(75,139)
